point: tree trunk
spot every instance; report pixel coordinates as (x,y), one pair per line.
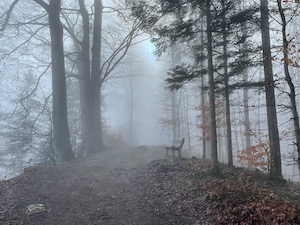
(203,119)
(61,135)
(211,84)
(85,80)
(203,101)
(89,82)
(226,81)
(174,120)
(245,90)
(94,137)
(275,167)
(288,78)
(246,112)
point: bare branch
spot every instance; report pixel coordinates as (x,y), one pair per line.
(120,52)
(22,44)
(7,15)
(36,86)
(43,4)
(32,21)
(111,65)
(71,33)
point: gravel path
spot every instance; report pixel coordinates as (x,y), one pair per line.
(107,188)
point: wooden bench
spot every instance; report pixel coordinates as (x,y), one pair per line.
(176,146)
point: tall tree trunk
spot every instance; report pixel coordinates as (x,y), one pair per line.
(187,119)
(61,135)
(292,95)
(95,137)
(174,121)
(246,112)
(211,84)
(175,103)
(85,79)
(203,93)
(275,167)
(245,90)
(89,83)
(226,81)
(203,118)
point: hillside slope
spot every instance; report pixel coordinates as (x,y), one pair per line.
(125,186)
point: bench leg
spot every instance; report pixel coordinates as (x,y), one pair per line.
(179,153)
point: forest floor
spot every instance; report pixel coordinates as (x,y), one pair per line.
(144,187)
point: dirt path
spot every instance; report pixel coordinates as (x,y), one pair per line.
(121,186)
(104,189)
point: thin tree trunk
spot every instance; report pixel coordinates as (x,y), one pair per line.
(84,80)
(246,90)
(174,121)
(211,83)
(226,81)
(236,134)
(246,112)
(188,122)
(275,167)
(203,101)
(288,78)
(174,115)
(178,115)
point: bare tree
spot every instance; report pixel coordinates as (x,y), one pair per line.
(292,94)
(96,67)
(275,167)
(61,135)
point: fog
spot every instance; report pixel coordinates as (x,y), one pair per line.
(135,102)
(143,77)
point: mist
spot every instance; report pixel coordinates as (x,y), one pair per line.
(136,105)
(138,91)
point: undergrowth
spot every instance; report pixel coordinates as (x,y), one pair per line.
(244,202)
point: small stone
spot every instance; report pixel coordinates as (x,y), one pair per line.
(35,208)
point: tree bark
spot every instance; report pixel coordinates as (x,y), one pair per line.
(275,167)
(202,92)
(246,112)
(211,84)
(246,90)
(61,136)
(292,94)
(226,81)
(175,99)
(89,81)
(84,81)
(95,136)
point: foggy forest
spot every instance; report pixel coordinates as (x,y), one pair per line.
(87,82)
(78,77)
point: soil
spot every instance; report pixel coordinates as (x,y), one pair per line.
(132,185)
